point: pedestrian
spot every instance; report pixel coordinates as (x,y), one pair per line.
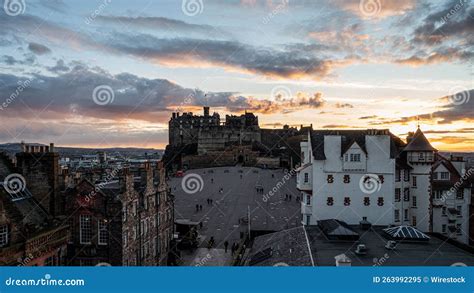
(290,197)
(200,207)
(212,180)
(197,208)
(200,225)
(226,244)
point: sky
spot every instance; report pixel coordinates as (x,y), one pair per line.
(109,73)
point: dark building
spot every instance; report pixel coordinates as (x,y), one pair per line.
(197,141)
(30,233)
(40,166)
(147,216)
(95,220)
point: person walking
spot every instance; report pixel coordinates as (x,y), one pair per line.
(226,244)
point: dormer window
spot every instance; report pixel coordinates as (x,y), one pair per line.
(444,175)
(355,157)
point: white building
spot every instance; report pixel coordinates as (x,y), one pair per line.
(372,175)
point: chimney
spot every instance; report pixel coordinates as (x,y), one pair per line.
(343,261)
(206,111)
(410,136)
(174,115)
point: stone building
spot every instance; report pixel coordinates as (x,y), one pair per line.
(147,216)
(197,141)
(40,166)
(31,234)
(95,221)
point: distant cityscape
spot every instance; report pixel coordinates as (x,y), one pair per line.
(229,193)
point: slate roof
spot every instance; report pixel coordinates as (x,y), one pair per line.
(437,251)
(337,229)
(419,142)
(284,248)
(349,137)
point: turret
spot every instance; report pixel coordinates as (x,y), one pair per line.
(419,149)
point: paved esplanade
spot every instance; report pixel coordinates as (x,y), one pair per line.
(233,191)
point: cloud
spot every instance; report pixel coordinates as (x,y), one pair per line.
(344,105)
(368,117)
(454,20)
(38,49)
(11,61)
(59,67)
(376,8)
(231,55)
(70,94)
(158,23)
(439,56)
(462,110)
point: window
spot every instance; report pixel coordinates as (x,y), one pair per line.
(3,235)
(413,221)
(85,229)
(413,200)
(125,238)
(346,156)
(398,175)
(306,177)
(398,194)
(347,178)
(438,194)
(459,209)
(158,220)
(443,228)
(330,201)
(103,234)
(397,215)
(330,178)
(355,157)
(308,199)
(406,175)
(444,175)
(421,156)
(308,219)
(125,212)
(443,211)
(347,201)
(380,201)
(406,194)
(405,216)
(381,179)
(366,201)
(414,182)
(460,194)
(458,229)
(135,207)
(435,176)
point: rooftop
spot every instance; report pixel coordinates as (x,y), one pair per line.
(434,252)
